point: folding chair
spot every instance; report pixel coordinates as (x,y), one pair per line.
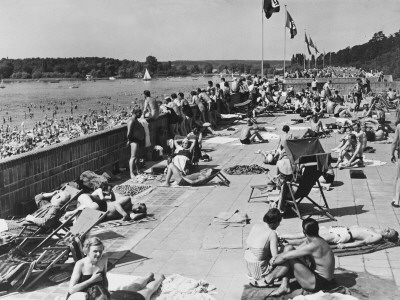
(245,108)
(308,160)
(310,176)
(214,173)
(57,253)
(33,230)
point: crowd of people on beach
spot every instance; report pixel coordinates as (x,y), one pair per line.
(334,72)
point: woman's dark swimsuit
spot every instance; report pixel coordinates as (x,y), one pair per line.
(87,277)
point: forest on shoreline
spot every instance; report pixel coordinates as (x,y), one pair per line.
(381,52)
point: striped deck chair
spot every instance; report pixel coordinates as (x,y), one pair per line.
(33,230)
(52,253)
(214,173)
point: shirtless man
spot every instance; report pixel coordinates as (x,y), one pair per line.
(151,111)
(346,237)
(136,136)
(316,127)
(249,133)
(312,263)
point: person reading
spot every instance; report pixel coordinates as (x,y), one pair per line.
(312,263)
(346,237)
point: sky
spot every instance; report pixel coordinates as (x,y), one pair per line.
(186,29)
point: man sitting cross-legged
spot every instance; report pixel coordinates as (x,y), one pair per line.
(312,263)
(250,132)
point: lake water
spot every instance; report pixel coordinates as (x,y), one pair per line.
(15,98)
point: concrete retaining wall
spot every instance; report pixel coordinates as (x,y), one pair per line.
(25,175)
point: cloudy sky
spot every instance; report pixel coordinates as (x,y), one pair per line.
(185,29)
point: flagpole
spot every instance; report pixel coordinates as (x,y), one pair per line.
(262,40)
(305,54)
(323,60)
(284,47)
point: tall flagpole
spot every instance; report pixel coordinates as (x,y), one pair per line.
(262,39)
(284,47)
(305,54)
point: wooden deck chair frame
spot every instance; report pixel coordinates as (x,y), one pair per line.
(78,231)
(295,201)
(215,173)
(74,195)
(246,109)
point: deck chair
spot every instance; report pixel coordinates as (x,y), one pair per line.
(32,230)
(245,108)
(309,161)
(52,253)
(215,173)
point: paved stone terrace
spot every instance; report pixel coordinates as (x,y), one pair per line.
(174,243)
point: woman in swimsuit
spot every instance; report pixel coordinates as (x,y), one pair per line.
(345,237)
(89,277)
(262,245)
(90,270)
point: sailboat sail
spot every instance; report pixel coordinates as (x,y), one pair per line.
(146,75)
(2,86)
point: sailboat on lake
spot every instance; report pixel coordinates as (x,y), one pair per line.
(2,86)
(146,76)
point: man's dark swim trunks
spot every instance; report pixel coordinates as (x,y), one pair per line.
(246,141)
(321,283)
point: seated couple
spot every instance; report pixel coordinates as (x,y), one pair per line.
(346,237)
(89,277)
(312,263)
(47,216)
(115,205)
(352,151)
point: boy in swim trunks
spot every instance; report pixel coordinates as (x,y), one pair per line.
(249,133)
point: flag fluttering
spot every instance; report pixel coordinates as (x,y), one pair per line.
(311,42)
(290,24)
(308,44)
(270,7)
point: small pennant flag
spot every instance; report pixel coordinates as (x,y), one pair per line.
(271,6)
(292,27)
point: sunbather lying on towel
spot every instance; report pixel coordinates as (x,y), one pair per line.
(346,237)
(116,206)
(262,245)
(181,180)
(89,277)
(46,216)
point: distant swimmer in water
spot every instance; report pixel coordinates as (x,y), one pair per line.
(150,108)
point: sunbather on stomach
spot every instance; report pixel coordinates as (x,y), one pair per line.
(346,237)
(262,245)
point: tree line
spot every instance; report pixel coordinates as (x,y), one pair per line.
(381,53)
(79,67)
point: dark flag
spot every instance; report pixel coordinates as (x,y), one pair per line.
(290,24)
(311,43)
(271,6)
(308,44)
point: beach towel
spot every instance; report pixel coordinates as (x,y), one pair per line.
(373,163)
(381,245)
(269,136)
(220,236)
(245,170)
(146,131)
(220,140)
(117,223)
(178,287)
(233,218)
(325,296)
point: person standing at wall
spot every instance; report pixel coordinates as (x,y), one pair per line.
(395,147)
(136,138)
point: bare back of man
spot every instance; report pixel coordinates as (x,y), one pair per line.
(151,109)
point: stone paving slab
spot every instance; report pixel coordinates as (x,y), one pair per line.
(173,244)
